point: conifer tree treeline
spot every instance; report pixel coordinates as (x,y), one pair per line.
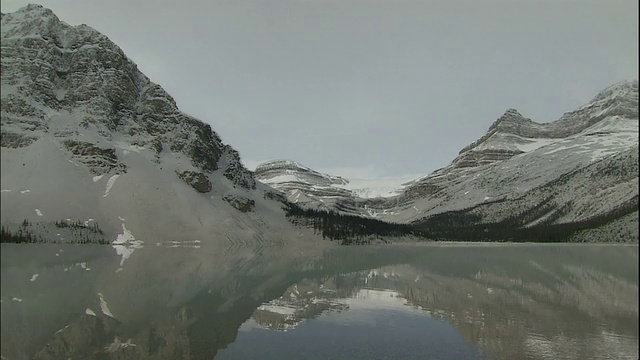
(347,228)
(80,233)
(462,225)
(466,226)
(20,237)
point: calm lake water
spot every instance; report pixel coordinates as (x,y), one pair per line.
(426,301)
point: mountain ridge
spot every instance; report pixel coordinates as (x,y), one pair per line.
(517,158)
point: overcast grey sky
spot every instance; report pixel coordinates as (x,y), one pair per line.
(367,88)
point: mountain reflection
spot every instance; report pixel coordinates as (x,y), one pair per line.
(511,301)
(530,305)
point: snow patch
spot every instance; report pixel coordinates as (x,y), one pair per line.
(535,144)
(5,190)
(38,212)
(126,147)
(16,299)
(25,191)
(104,307)
(89,312)
(97,178)
(110,183)
(34,277)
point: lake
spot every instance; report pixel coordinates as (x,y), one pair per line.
(404,301)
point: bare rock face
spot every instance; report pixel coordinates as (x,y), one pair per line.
(239,202)
(235,171)
(196,180)
(13,140)
(99,161)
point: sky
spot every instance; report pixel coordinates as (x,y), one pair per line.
(367,89)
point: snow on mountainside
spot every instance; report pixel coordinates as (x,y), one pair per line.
(86,136)
(533,155)
(576,169)
(582,169)
(302,184)
(376,188)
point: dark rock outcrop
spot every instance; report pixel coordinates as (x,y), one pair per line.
(196,180)
(239,202)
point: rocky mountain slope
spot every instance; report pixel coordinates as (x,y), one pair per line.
(580,169)
(87,137)
(302,184)
(298,180)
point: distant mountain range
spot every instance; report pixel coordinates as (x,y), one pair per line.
(93,151)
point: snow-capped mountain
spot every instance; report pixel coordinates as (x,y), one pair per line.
(87,137)
(300,181)
(582,168)
(569,158)
(302,184)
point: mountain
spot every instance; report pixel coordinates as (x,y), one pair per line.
(93,151)
(302,184)
(579,172)
(92,148)
(297,180)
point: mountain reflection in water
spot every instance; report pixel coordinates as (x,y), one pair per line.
(409,301)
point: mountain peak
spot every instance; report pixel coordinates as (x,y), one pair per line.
(511,116)
(80,78)
(623,88)
(32,11)
(36,21)
(32,7)
(619,99)
(512,112)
